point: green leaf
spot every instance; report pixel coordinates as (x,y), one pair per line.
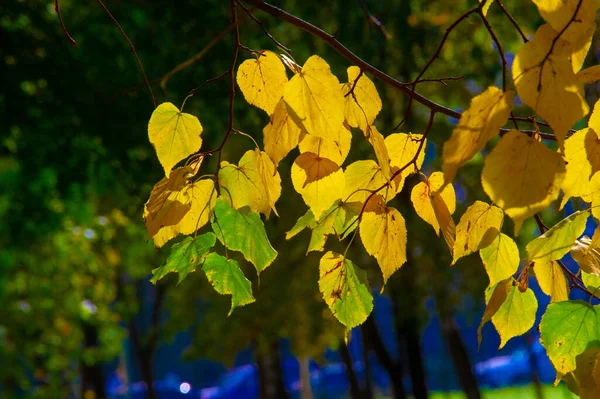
(591,281)
(244,233)
(567,329)
(557,241)
(227,279)
(516,315)
(185,257)
(345,289)
(306,220)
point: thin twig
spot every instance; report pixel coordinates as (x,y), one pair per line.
(498,45)
(132,49)
(208,81)
(64,28)
(514,22)
(262,26)
(374,21)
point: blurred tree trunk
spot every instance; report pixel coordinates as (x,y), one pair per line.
(535,376)
(306,388)
(92,378)
(368,392)
(355,392)
(270,374)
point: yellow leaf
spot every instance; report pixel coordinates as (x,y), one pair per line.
(522,176)
(174,135)
(381,153)
(589,75)
(383,234)
(552,280)
(582,156)
(558,13)
(402,148)
(361,107)
(262,80)
(558,96)
(336,150)
(516,315)
(254,183)
(500,258)
(595,194)
(319,180)
(172,210)
(421,197)
(364,176)
(586,252)
(314,99)
(200,197)
(584,381)
(281,135)
(444,218)
(478,228)
(488,112)
(495,295)
(161,190)
(486,6)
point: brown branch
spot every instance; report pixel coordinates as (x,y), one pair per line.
(374,21)
(62,24)
(441,80)
(132,49)
(514,22)
(262,26)
(498,45)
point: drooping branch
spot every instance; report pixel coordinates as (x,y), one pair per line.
(62,24)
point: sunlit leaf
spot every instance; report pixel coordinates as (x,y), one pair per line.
(585,380)
(552,280)
(281,135)
(557,241)
(422,197)
(500,258)
(364,176)
(381,153)
(558,13)
(522,176)
(402,148)
(363,104)
(516,316)
(586,252)
(335,150)
(185,257)
(262,80)
(589,75)
(495,295)
(477,228)
(227,279)
(582,158)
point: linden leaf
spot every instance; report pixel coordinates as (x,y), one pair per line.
(314,99)
(567,329)
(345,289)
(552,280)
(516,316)
(254,183)
(227,279)
(495,295)
(172,209)
(595,195)
(200,196)
(174,135)
(281,135)
(335,150)
(167,185)
(422,198)
(364,176)
(584,381)
(262,80)
(402,148)
(559,13)
(522,176)
(243,233)
(582,156)
(185,257)
(305,221)
(557,241)
(362,106)
(478,227)
(589,75)
(383,234)
(320,181)
(586,252)
(591,281)
(481,122)
(381,153)
(557,96)
(500,258)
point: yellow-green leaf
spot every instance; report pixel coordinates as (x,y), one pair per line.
(364,176)
(333,149)
(522,176)
(363,104)
(516,315)
(345,289)
(558,96)
(319,180)
(185,257)
(586,252)
(481,122)
(383,234)
(552,280)
(478,227)
(582,158)
(281,135)
(422,197)
(314,99)
(262,80)
(558,13)
(557,241)
(486,6)
(584,381)
(500,258)
(175,135)
(495,295)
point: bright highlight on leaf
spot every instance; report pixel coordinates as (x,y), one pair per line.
(478,227)
(558,13)
(381,153)
(227,279)
(363,176)
(522,176)
(281,135)
(245,233)
(314,99)
(500,258)
(384,235)
(488,112)
(582,158)
(567,329)
(586,252)
(335,150)
(262,80)
(363,104)
(495,295)
(552,280)
(558,95)
(422,199)
(402,148)
(185,257)
(175,135)
(345,289)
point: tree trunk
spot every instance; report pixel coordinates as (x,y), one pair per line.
(368,391)
(92,378)
(415,359)
(394,369)
(535,377)
(270,375)
(306,389)
(460,356)
(355,392)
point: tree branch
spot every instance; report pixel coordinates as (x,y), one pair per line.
(62,24)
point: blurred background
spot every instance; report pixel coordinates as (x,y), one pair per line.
(79,317)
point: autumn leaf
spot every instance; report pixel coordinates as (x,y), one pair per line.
(495,295)
(522,176)
(584,381)
(262,80)
(559,13)
(582,159)
(422,199)
(362,105)
(175,135)
(552,280)
(345,289)
(381,153)
(478,227)
(402,148)
(586,252)
(364,176)
(335,150)
(481,122)
(185,257)
(227,279)
(500,258)
(281,135)
(314,99)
